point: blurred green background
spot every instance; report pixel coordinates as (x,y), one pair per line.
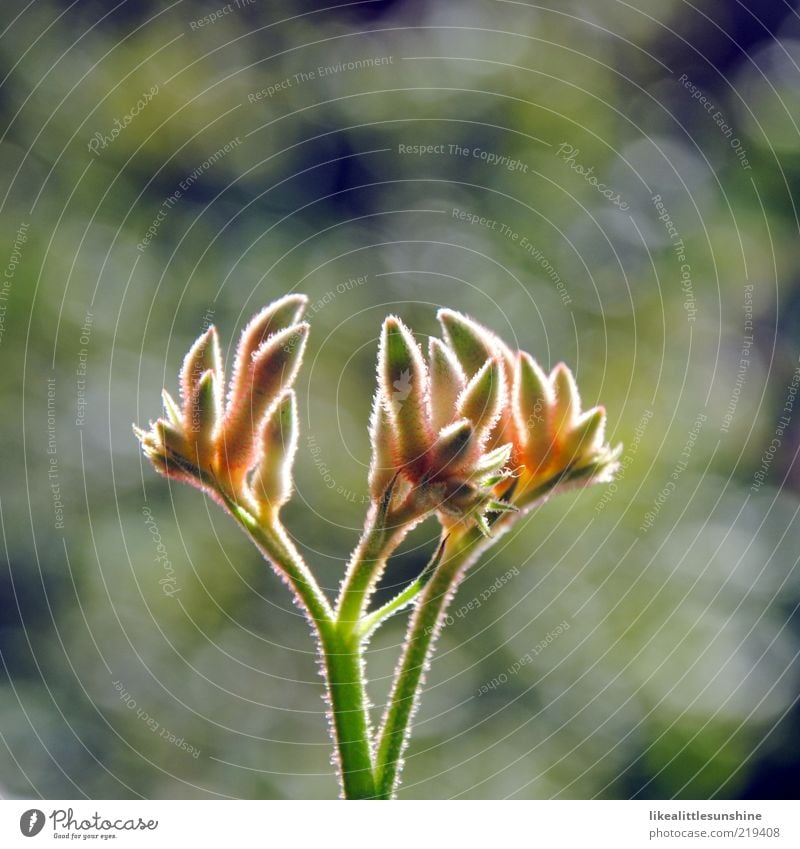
(642,227)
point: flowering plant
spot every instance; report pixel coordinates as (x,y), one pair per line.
(474,435)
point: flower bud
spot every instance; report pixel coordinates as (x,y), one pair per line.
(204,410)
(382,466)
(471,343)
(567,403)
(533,399)
(447,382)
(212,444)
(172,410)
(170,438)
(203,356)
(404,386)
(586,438)
(275,317)
(483,397)
(271,483)
(272,369)
(492,462)
(453,448)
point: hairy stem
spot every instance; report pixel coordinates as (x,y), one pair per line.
(460,551)
(366,565)
(344,667)
(373,620)
(376,618)
(278,549)
(339,650)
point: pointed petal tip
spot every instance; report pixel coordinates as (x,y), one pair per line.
(394,324)
(299,330)
(294,299)
(445,315)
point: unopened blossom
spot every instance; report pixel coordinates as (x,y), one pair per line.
(431,426)
(465,432)
(552,439)
(243,445)
(477,428)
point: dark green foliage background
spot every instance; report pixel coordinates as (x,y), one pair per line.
(677,675)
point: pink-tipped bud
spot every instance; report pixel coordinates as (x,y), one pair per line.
(447,382)
(404,387)
(482,399)
(271,483)
(203,356)
(472,343)
(275,317)
(272,369)
(382,466)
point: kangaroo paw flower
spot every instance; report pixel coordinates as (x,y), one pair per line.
(218,445)
(434,423)
(556,440)
(477,429)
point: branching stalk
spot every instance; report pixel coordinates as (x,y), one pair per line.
(451,430)
(460,551)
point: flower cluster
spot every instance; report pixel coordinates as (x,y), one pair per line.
(472,429)
(476,429)
(467,432)
(242,447)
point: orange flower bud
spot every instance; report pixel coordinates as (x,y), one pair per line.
(272,368)
(203,414)
(276,316)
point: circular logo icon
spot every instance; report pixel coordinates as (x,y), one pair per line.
(31,822)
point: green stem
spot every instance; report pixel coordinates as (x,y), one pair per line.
(460,552)
(341,656)
(344,667)
(366,566)
(373,620)
(278,549)
(340,652)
